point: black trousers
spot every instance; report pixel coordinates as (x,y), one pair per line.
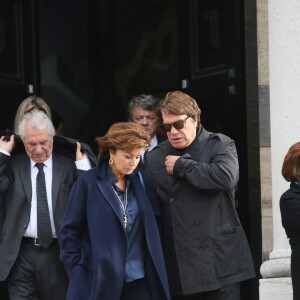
(229,292)
(136,290)
(38,274)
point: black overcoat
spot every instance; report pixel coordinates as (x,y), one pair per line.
(204,244)
(290,216)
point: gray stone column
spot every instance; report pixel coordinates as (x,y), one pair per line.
(284,74)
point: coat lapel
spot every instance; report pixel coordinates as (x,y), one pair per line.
(57,173)
(140,195)
(147,215)
(25,175)
(109,195)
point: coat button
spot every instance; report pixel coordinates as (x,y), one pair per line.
(196,222)
(25,226)
(172,200)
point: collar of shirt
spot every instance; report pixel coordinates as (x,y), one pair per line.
(47,163)
(151,146)
(153,143)
(112,179)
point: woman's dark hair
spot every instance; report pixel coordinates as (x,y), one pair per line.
(124,136)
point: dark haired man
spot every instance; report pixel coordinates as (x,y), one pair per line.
(143,109)
(195,173)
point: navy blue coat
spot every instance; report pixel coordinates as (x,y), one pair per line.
(94,242)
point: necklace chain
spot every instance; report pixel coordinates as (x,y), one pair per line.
(124,207)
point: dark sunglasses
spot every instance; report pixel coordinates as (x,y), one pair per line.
(176,125)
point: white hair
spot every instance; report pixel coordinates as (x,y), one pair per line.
(38,120)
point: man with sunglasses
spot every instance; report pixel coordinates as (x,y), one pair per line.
(195,173)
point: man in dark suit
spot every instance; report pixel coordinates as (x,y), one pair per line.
(143,110)
(36,185)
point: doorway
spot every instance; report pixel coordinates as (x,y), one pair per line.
(87,59)
(96,55)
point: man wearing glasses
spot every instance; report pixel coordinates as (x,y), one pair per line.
(195,173)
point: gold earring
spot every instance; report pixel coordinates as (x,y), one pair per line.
(111,161)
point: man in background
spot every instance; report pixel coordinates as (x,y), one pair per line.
(143,109)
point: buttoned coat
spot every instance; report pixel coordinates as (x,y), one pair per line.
(16,191)
(94,241)
(202,231)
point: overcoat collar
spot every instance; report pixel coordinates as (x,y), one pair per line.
(108,192)
(295,187)
(201,139)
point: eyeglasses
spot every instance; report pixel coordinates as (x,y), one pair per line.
(176,125)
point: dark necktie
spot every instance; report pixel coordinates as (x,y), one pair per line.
(44,230)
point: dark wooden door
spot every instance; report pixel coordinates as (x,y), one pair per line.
(18,56)
(211,67)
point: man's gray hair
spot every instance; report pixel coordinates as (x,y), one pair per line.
(146,102)
(38,120)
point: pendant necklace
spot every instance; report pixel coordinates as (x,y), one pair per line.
(124,207)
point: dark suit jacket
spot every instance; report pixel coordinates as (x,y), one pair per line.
(94,242)
(15,186)
(62,145)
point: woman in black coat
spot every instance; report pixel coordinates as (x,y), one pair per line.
(290,212)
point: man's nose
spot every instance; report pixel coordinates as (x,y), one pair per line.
(173,130)
(38,149)
(145,121)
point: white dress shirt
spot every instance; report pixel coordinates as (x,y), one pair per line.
(32,226)
(31,231)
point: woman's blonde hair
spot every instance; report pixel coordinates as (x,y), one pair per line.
(29,104)
(125,136)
